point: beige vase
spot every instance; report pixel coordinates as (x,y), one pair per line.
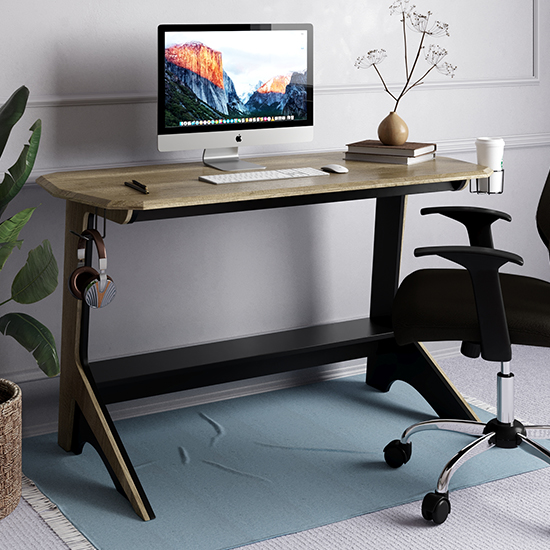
(393,130)
(10,447)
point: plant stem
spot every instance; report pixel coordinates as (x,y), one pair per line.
(405,46)
(6,301)
(419,81)
(384,84)
(404,90)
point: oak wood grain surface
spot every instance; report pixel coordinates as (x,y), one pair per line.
(176,185)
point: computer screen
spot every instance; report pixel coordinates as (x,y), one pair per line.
(231,85)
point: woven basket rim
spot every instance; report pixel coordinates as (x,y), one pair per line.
(15,391)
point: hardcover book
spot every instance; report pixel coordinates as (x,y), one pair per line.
(389,159)
(408,149)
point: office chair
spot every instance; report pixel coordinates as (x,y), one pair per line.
(487,311)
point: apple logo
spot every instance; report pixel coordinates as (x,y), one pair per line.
(238,138)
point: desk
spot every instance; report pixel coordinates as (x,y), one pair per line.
(86,388)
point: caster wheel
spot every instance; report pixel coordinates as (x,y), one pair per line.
(436,507)
(396,453)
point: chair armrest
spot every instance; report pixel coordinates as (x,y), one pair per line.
(483,265)
(471,257)
(477,221)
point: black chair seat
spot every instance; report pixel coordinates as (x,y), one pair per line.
(438,305)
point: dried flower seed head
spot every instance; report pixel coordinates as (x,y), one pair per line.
(446,69)
(402,6)
(373,57)
(439,29)
(435,54)
(421,23)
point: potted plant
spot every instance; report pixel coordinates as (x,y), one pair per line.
(34,281)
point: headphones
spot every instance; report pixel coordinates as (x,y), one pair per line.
(85,283)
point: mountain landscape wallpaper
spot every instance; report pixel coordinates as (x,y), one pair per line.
(263,79)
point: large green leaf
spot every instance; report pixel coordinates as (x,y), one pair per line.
(38,277)
(6,249)
(18,174)
(34,337)
(9,231)
(10,113)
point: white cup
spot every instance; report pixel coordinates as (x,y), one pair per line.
(490,152)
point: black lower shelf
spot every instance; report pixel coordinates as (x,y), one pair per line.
(156,373)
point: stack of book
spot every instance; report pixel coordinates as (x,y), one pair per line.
(372,150)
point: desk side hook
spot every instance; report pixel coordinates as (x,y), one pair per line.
(88,237)
(104,222)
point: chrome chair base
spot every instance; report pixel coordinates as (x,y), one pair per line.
(505,434)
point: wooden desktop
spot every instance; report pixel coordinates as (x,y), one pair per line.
(175,191)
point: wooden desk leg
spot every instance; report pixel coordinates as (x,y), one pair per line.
(79,404)
(390,362)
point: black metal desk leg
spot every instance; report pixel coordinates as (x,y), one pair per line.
(386,261)
(390,362)
(413,364)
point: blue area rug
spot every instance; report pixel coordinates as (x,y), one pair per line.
(231,473)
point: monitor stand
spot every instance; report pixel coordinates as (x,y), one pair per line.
(227,159)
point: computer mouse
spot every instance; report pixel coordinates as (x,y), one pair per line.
(335,168)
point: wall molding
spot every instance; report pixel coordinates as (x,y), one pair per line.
(91,100)
(99,100)
(536,39)
(438,85)
(518,141)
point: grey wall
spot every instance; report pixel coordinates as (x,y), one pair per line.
(91,69)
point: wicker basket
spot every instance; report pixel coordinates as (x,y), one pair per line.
(10,447)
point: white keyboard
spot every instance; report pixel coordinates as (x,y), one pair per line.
(262,175)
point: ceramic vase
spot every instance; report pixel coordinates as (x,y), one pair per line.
(393,130)
(10,447)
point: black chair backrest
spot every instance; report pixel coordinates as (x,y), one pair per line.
(543,214)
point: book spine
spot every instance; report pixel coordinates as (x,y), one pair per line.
(390,152)
(386,159)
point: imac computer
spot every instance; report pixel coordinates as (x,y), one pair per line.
(222,86)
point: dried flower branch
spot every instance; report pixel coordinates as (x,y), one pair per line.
(402,6)
(370,58)
(419,23)
(446,69)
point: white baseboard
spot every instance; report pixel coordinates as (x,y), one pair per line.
(233,390)
(43,395)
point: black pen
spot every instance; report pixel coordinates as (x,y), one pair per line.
(138,186)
